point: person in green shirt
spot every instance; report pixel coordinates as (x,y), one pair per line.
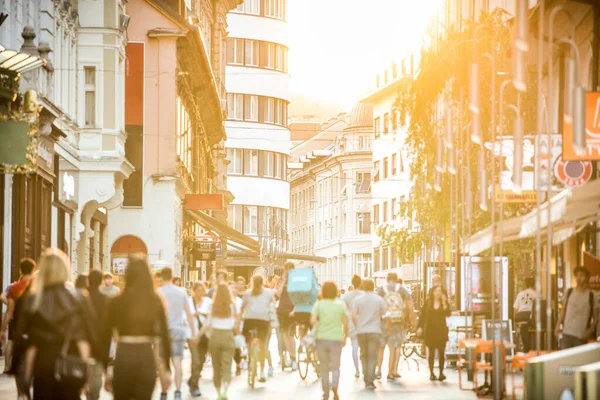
(330,318)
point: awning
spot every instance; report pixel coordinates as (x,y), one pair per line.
(482,240)
(303,257)
(234,238)
(570,209)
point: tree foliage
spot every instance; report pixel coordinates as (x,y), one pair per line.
(442,78)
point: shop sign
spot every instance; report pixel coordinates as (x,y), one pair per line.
(573,173)
(19,146)
(68,186)
(593,265)
(119,265)
(548,153)
(205,250)
(45,155)
(509,197)
(592,129)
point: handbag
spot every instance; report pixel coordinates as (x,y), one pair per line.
(70,369)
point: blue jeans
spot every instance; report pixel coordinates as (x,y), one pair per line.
(329,352)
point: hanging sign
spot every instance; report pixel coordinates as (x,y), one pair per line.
(592,130)
(504,148)
(573,173)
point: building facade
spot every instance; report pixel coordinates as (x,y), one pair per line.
(331,197)
(390,174)
(174,121)
(258,138)
(80,160)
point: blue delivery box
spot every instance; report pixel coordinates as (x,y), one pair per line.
(302,286)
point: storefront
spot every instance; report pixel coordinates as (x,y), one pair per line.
(64,205)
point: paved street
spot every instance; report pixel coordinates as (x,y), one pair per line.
(287,385)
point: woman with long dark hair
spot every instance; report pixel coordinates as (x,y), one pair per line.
(222,323)
(138,317)
(256,311)
(200,306)
(432,326)
(55,321)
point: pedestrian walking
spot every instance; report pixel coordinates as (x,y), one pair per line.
(523,306)
(99,303)
(256,313)
(349,301)
(58,331)
(432,326)
(138,317)
(238,294)
(200,306)
(330,319)
(400,316)
(14,300)
(109,288)
(81,283)
(178,310)
(579,315)
(221,325)
(367,312)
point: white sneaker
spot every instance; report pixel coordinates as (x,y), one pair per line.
(270,372)
(244,364)
(294,365)
(262,378)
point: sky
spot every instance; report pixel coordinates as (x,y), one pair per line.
(338,46)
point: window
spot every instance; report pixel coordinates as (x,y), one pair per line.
(251,107)
(385,211)
(250,220)
(252,49)
(364,223)
(364,142)
(386,123)
(252,7)
(376,127)
(363,263)
(270,164)
(270,56)
(90,96)
(279,57)
(385,259)
(376,214)
(393,211)
(235,106)
(269,112)
(251,162)
(385,168)
(401,162)
(235,51)
(278,111)
(376,171)
(363,182)
(376,260)
(234,217)
(278,166)
(235,157)
(394,118)
(394,164)
(274,8)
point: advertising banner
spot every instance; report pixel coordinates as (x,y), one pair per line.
(592,128)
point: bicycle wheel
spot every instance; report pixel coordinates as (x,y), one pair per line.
(252,364)
(421,350)
(407,351)
(315,364)
(303,362)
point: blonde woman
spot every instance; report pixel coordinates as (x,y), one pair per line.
(222,323)
(54,316)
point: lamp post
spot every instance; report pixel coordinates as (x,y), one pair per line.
(575,113)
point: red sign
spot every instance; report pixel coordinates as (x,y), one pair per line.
(204,202)
(573,173)
(592,129)
(593,265)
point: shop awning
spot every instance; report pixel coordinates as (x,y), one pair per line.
(482,240)
(234,238)
(569,210)
(303,257)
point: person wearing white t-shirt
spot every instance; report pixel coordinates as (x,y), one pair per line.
(200,306)
(522,311)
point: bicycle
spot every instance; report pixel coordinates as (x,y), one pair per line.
(306,356)
(253,357)
(413,346)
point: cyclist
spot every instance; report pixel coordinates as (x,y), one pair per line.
(285,310)
(256,309)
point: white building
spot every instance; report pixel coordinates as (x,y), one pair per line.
(331,197)
(258,138)
(81,141)
(391,175)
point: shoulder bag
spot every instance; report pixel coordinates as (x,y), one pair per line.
(70,369)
